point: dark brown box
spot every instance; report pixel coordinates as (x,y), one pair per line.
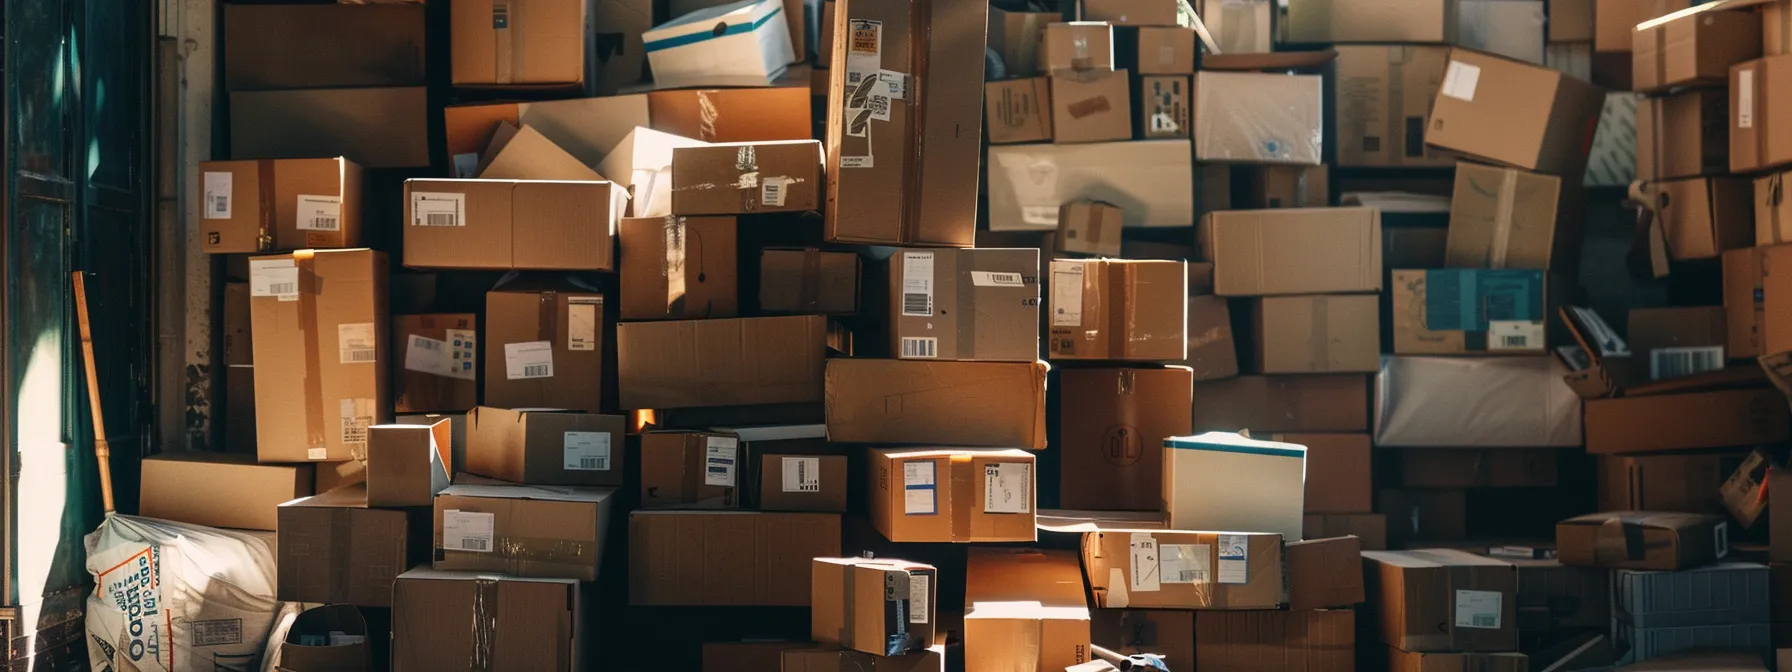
(984,404)
(809,280)
(436,363)
(678,268)
(1112,426)
(1338,472)
(736,558)
(1642,540)
(1442,600)
(336,550)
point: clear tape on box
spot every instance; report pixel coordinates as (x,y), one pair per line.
(1258,118)
(1475,402)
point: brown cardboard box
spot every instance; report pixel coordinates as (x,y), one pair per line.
(378,127)
(322,372)
(751,655)
(1212,354)
(1648,424)
(1686,482)
(987,495)
(511,225)
(984,404)
(889,190)
(735,558)
(299,652)
(1642,540)
(1508,218)
(1444,600)
(1293,251)
(1683,134)
(1773,212)
(1424,515)
(1024,605)
(1166,50)
(1016,37)
(284,204)
(1779,516)
(1776,299)
(1258,117)
(1745,491)
(1383,95)
(542,625)
(1348,21)
(1164,106)
(802,482)
(1760,91)
(1776,34)
(1155,631)
(679,268)
(1324,573)
(1485,468)
(1677,341)
(1325,403)
(1077,46)
(1111,431)
(1138,12)
(551,345)
(408,464)
(1338,472)
(1615,21)
(525,154)
(1149,179)
(841,660)
(746,178)
(688,469)
(336,550)
(1112,309)
(1318,333)
(1275,640)
(964,304)
(1170,570)
(1019,110)
(1703,217)
(219,490)
(1289,187)
(590,129)
(1091,106)
(1553,596)
(550,44)
(1371,528)
(546,447)
(809,280)
(1089,227)
(436,363)
(1516,114)
(522,530)
(882,607)
(760,114)
(1692,46)
(1410,661)
(1570,21)
(310,46)
(723,362)
(1504,317)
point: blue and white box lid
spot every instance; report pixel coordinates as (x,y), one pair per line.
(744,43)
(1227,442)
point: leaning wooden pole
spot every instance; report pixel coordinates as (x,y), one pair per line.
(101,450)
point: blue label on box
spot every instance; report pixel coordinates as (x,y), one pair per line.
(1466,299)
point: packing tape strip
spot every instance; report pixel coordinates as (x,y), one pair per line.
(1618,540)
(672,266)
(966,334)
(964,484)
(504,48)
(1120,322)
(1500,246)
(1319,332)
(708,113)
(809,283)
(310,290)
(485,623)
(264,195)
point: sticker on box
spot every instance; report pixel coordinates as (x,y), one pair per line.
(356,416)
(217,195)
(1067,295)
(427,355)
(1185,563)
(802,474)
(919,489)
(1478,609)
(1235,559)
(461,355)
(918,589)
(467,531)
(525,361)
(917,284)
(581,325)
(1143,563)
(1461,80)
(1008,487)
(278,278)
(320,213)
(586,451)
(356,343)
(989,279)
(434,208)
(720,457)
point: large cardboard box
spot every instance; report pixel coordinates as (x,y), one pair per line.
(1773,211)
(1091,106)
(546,447)
(1024,605)
(1019,110)
(1149,179)
(1159,632)
(1509,218)
(809,280)
(1686,482)
(1642,540)
(313,46)
(746,178)
(793,468)
(1324,403)
(437,363)
(1474,402)
(279,204)
(408,464)
(1184,570)
(333,549)
(1570,21)
(1076,46)
(219,489)
(1324,572)
(590,129)
(1167,50)
(733,558)
(1415,21)
(548,44)
(528,623)
(1222,481)
(1016,36)
(754,114)
(1702,217)
(1683,134)
(551,345)
(1258,117)
(1293,251)
(321,360)
(1113,309)
(1371,528)
(723,362)
(679,268)
(1383,97)
(1648,424)
(980,404)
(1458,311)
(966,304)
(1444,600)
(1760,91)
(1275,640)
(948,495)
(880,607)
(1489,468)
(511,224)
(1516,114)
(1339,477)
(377,127)
(1212,354)
(882,187)
(1318,333)
(522,530)
(1692,46)
(1111,429)
(692,470)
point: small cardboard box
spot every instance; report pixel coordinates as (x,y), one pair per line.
(1513,113)
(1648,423)
(732,558)
(540,447)
(642,163)
(1687,482)
(1371,528)
(1745,492)
(1221,481)
(549,44)
(1167,50)
(1016,36)
(1091,106)
(511,224)
(801,481)
(1642,540)
(1118,310)
(1019,110)
(1463,311)
(1324,572)
(1077,45)
(1212,355)
(1760,91)
(544,348)
(311,46)
(1258,118)
(1089,227)
(1692,46)
(1475,610)
(1490,468)
(437,362)
(219,489)
(1164,106)
(1508,218)
(336,550)
(1318,333)
(747,177)
(949,495)
(679,268)
(1703,217)
(590,129)
(542,627)
(964,304)
(692,470)
(882,607)
(1183,570)
(1382,101)
(741,43)
(1773,211)
(809,280)
(722,362)
(522,530)
(1111,432)
(1339,476)
(1413,21)
(377,127)
(1279,640)
(1324,403)
(1683,134)
(408,464)
(1293,251)
(283,204)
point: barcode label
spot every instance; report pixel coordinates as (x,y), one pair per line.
(719,461)
(917,284)
(1067,294)
(1676,362)
(802,474)
(280,288)
(1008,487)
(217,195)
(357,416)
(1143,563)
(1186,563)
(1515,342)
(586,451)
(988,279)
(1478,608)
(1486,621)
(772,190)
(534,359)
(914,347)
(1514,335)
(438,209)
(467,531)
(319,213)
(278,278)
(356,343)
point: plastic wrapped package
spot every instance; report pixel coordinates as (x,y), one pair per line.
(1152,181)
(1258,118)
(1475,402)
(1240,26)
(1510,28)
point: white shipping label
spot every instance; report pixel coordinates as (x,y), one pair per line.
(581,326)
(719,461)
(920,347)
(355,343)
(1185,563)
(320,213)
(467,531)
(1067,295)
(1007,487)
(427,355)
(864,49)
(534,359)
(317,453)
(466,165)
(586,451)
(772,191)
(917,284)
(1665,363)
(274,277)
(1039,215)
(919,489)
(357,416)
(802,474)
(462,355)
(1720,537)
(857,162)
(1143,563)
(1235,558)
(217,195)
(1478,609)
(1745,99)
(1514,335)
(435,208)
(1460,81)
(895,84)
(919,588)
(988,279)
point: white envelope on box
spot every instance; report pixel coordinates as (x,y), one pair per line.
(1475,402)
(743,43)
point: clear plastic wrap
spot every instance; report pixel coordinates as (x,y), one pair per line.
(1259,118)
(1475,402)
(1510,28)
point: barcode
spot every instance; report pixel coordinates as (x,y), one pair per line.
(279,288)
(1486,620)
(500,16)
(427,344)
(927,348)
(1519,341)
(1004,278)
(220,204)
(535,371)
(802,478)
(471,544)
(916,304)
(1676,362)
(773,193)
(355,432)
(595,463)
(1191,576)
(324,223)
(354,356)
(440,219)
